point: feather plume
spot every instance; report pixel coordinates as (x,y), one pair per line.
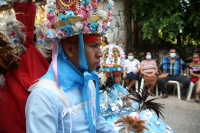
(131,124)
(102,78)
(7,58)
(42,43)
(147,104)
(14,30)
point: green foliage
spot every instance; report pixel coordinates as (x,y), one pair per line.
(168,19)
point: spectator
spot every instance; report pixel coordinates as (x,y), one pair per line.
(104,41)
(173,65)
(131,70)
(148,69)
(195,74)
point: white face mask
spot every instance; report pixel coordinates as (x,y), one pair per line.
(172,55)
(130,57)
(148,57)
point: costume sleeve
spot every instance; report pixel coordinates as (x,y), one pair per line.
(102,126)
(41,112)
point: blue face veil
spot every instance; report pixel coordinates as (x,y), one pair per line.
(61,67)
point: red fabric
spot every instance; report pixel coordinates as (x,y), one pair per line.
(32,66)
(86,38)
(194,79)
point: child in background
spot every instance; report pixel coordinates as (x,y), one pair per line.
(104,41)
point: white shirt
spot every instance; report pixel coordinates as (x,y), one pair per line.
(132,66)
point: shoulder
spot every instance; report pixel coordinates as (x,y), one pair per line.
(166,58)
(127,60)
(40,95)
(179,59)
(136,60)
(153,61)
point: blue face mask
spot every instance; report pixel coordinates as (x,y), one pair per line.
(148,57)
(130,57)
(172,55)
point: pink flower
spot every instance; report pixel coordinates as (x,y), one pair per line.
(89,7)
(110,13)
(48,24)
(60,33)
(85,23)
(110,18)
(86,29)
(50,15)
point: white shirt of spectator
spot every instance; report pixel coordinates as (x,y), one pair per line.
(131,66)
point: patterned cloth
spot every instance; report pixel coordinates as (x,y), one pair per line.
(153,123)
(195,68)
(174,69)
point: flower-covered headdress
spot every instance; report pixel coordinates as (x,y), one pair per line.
(70,17)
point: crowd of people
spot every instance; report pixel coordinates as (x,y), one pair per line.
(171,67)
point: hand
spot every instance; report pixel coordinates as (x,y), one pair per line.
(124,76)
(184,74)
(134,72)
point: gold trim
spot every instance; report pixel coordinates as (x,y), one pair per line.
(67,5)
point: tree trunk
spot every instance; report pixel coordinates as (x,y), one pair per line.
(128,25)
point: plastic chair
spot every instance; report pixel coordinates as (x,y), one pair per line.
(136,85)
(177,87)
(190,90)
(142,86)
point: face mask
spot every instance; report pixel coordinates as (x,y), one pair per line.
(148,57)
(172,55)
(130,57)
(196,60)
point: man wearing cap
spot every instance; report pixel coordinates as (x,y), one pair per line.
(65,99)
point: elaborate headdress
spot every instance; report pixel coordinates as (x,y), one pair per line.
(76,17)
(71,17)
(113,59)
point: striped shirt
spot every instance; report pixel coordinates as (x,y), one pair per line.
(173,69)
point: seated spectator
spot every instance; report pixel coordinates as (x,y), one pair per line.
(131,70)
(173,65)
(148,68)
(195,75)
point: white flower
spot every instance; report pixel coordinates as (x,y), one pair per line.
(75,29)
(100,30)
(111,2)
(79,25)
(51,1)
(100,22)
(102,14)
